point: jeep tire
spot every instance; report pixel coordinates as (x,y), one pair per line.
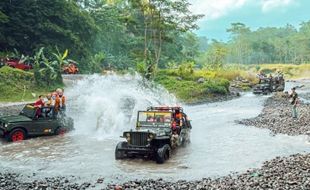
(120,154)
(16,135)
(163,154)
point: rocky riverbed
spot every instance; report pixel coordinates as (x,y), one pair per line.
(280,173)
(277,116)
(292,172)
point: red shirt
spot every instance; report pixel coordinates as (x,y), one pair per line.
(39,103)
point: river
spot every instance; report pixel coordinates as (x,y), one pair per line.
(103,106)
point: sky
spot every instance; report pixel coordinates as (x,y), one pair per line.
(219,14)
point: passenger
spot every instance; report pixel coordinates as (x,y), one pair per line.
(261,76)
(49,105)
(178,117)
(167,119)
(174,126)
(39,104)
(150,119)
(60,101)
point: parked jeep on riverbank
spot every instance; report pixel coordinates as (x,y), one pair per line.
(158,131)
(269,85)
(27,124)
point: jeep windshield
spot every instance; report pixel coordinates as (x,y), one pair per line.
(28,111)
(154,119)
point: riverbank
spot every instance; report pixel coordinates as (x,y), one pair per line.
(202,86)
(291,172)
(277,116)
(280,173)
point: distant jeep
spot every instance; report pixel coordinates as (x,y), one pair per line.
(28,124)
(158,131)
(269,85)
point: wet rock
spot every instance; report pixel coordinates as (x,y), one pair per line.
(201,80)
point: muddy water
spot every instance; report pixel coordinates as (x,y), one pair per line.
(103,107)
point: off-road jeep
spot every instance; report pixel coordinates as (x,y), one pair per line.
(158,131)
(269,85)
(27,124)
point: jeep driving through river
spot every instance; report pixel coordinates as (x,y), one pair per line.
(27,124)
(269,85)
(158,131)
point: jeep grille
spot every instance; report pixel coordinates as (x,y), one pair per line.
(138,139)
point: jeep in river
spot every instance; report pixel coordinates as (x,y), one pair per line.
(158,131)
(269,85)
(28,124)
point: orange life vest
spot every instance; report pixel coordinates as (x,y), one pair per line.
(60,102)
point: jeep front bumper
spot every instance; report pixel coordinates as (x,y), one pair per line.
(137,150)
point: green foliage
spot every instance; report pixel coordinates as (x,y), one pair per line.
(34,24)
(141,68)
(188,89)
(47,72)
(264,45)
(186,69)
(19,85)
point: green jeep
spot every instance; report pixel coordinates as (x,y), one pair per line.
(29,124)
(158,132)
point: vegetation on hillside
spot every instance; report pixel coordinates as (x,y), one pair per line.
(155,38)
(120,33)
(20,85)
(287,45)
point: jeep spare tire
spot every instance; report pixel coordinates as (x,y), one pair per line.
(17,135)
(163,154)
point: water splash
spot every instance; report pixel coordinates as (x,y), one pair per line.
(104,106)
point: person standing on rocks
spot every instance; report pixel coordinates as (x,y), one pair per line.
(294,102)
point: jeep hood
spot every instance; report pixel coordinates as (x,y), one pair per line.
(14,118)
(158,131)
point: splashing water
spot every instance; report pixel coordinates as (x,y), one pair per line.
(105,106)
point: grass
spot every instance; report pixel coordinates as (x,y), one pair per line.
(183,82)
(290,71)
(17,85)
(188,89)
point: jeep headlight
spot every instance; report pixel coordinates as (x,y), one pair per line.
(6,125)
(127,135)
(150,137)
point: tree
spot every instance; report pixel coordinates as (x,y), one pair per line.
(34,24)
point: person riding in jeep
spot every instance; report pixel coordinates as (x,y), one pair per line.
(39,103)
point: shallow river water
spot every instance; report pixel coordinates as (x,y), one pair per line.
(104,106)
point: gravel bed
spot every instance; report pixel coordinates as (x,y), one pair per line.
(292,172)
(277,116)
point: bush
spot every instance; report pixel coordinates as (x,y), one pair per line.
(18,85)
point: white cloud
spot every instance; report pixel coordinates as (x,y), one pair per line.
(213,9)
(268,5)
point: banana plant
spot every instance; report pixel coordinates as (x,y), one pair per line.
(61,59)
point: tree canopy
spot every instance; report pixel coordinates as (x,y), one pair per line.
(122,33)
